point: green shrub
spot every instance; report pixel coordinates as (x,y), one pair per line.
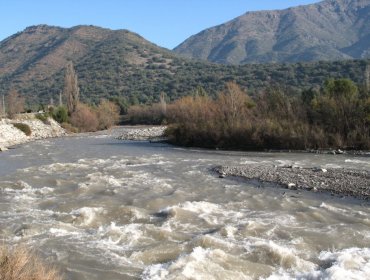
(23,127)
(60,114)
(69,128)
(43,117)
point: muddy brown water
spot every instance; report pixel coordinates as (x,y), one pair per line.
(101,208)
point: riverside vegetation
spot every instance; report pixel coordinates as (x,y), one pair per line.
(122,66)
(335,116)
(74,117)
(21,264)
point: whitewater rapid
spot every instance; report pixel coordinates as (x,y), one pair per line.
(100,208)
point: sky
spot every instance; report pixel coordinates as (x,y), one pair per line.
(166,23)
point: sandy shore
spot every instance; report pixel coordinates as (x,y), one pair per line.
(343,182)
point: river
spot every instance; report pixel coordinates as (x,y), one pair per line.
(101,208)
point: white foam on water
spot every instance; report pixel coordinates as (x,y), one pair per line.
(247,161)
(99,178)
(21,190)
(93,161)
(212,213)
(284,162)
(127,236)
(60,167)
(358,161)
(58,232)
(332,165)
(198,265)
(44,190)
(269,252)
(17,155)
(229,231)
(351,263)
(86,215)
(333,208)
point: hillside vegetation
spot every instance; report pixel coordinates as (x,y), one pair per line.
(123,66)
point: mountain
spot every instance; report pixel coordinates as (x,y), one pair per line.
(329,30)
(119,64)
(36,57)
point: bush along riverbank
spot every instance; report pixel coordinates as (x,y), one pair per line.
(337,116)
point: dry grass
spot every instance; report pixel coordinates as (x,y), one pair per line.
(20,264)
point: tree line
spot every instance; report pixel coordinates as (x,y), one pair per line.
(74,116)
(337,115)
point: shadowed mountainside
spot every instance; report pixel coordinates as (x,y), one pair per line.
(329,30)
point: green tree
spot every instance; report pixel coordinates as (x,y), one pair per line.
(71,90)
(60,114)
(337,109)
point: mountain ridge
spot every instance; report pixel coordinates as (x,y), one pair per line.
(328,30)
(123,65)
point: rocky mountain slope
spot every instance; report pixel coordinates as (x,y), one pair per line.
(328,30)
(122,65)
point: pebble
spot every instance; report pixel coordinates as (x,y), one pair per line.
(10,135)
(143,133)
(347,182)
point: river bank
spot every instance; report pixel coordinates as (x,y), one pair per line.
(337,181)
(11,135)
(143,133)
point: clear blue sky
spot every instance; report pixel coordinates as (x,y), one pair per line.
(164,22)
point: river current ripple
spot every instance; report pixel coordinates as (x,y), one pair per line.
(99,208)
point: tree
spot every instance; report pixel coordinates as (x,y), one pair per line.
(60,114)
(84,118)
(2,112)
(367,78)
(163,103)
(108,114)
(15,103)
(71,90)
(233,104)
(338,107)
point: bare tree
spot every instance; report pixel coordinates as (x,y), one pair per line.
(2,113)
(367,78)
(163,103)
(15,103)
(108,114)
(71,90)
(60,99)
(233,104)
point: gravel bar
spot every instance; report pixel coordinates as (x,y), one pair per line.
(343,182)
(153,133)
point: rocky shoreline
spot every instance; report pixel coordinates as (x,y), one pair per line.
(143,133)
(342,182)
(11,136)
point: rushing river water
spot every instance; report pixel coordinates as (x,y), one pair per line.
(100,208)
